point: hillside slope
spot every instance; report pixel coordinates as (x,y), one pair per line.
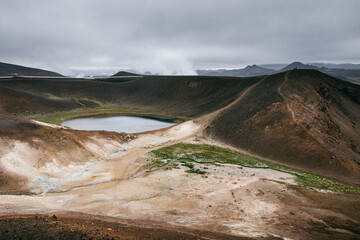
(302,118)
(186,96)
(7,69)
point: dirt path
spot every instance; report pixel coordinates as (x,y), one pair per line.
(208,118)
(286,79)
(293,115)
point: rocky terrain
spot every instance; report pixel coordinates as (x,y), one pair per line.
(269,157)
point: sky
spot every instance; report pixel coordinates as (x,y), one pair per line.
(176,36)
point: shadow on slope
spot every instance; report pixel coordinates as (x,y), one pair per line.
(178,96)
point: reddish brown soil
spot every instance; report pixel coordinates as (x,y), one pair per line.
(333,216)
(76,226)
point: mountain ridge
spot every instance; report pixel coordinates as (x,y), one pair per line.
(248,71)
(352,75)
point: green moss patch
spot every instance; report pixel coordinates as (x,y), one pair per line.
(188,154)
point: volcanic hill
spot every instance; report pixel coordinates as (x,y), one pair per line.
(7,69)
(301,117)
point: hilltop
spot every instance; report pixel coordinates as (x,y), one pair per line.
(296,65)
(125,74)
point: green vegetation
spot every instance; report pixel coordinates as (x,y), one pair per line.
(189,165)
(188,154)
(59,117)
(195,170)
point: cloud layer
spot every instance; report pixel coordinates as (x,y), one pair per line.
(176,36)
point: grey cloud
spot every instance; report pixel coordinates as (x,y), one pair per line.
(176,36)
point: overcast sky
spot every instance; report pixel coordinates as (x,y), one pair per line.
(166,36)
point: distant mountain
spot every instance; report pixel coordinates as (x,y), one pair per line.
(346,66)
(7,69)
(249,71)
(276,66)
(352,75)
(297,65)
(125,74)
(352,66)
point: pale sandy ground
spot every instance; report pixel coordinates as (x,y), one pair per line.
(230,199)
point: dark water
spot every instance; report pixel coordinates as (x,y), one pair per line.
(128,124)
